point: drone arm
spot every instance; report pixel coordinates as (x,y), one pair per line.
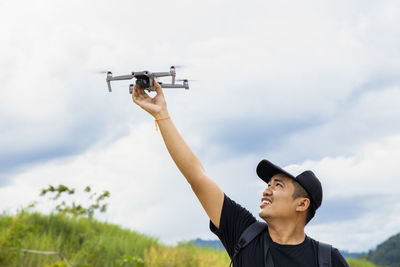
(162,74)
(122,77)
(166,85)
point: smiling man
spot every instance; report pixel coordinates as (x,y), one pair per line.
(287,204)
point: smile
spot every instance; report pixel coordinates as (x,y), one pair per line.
(265,201)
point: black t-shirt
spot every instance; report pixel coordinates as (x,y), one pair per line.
(235,219)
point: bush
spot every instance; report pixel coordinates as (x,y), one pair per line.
(360,263)
(185,254)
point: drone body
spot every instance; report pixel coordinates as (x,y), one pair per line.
(145,80)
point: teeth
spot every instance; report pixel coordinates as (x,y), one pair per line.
(266,202)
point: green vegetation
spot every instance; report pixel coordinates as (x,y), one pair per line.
(86,242)
(360,263)
(82,241)
(74,209)
(387,253)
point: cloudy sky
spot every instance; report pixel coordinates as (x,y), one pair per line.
(312,83)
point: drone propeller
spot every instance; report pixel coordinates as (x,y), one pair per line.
(178,66)
(102,72)
(186,80)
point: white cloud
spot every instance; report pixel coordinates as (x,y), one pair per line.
(371,117)
(267,61)
(149,194)
(369,176)
(373,170)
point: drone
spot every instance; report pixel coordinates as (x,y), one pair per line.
(145,80)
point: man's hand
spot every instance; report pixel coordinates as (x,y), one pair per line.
(156,106)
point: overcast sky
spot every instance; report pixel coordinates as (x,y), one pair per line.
(312,83)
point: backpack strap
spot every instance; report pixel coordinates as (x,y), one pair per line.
(247,236)
(267,256)
(324,255)
(324,250)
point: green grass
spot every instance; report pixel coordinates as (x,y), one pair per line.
(80,240)
(87,242)
(361,263)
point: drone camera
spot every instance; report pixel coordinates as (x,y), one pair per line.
(143,81)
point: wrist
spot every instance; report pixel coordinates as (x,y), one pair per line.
(160,119)
(161,114)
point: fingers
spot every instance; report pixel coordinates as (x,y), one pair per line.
(158,88)
(153,105)
(135,93)
(138,94)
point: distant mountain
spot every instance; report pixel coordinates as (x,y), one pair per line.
(351,255)
(387,253)
(216,244)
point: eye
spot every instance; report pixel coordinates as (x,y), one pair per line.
(279,184)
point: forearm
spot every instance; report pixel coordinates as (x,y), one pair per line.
(184,158)
(207,191)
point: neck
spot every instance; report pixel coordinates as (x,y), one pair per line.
(286,232)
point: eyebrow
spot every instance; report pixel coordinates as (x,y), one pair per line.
(278,180)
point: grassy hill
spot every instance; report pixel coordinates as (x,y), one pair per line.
(387,253)
(361,263)
(86,242)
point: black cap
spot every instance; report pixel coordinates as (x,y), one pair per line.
(307,179)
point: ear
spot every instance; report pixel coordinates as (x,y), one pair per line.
(302,204)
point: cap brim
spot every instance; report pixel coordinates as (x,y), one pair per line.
(265,170)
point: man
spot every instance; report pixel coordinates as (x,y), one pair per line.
(287,204)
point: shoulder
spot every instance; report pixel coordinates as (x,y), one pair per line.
(337,258)
(231,208)
(234,220)
(234,216)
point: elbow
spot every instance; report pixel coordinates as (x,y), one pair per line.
(197,180)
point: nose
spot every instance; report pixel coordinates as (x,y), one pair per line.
(267,192)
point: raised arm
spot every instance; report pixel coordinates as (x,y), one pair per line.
(207,191)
